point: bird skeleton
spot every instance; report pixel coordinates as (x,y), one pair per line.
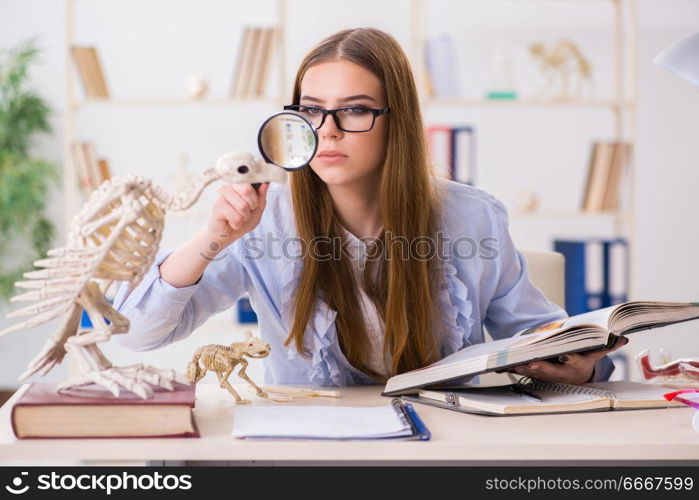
(115,237)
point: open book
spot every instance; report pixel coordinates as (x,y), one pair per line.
(548,398)
(594,330)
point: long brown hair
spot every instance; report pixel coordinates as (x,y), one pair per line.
(404,290)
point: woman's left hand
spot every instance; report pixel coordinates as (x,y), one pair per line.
(577,368)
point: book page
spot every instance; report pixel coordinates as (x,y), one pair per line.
(501,400)
(598,318)
(635,394)
(640,314)
(509,398)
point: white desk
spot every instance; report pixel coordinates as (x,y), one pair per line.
(621,437)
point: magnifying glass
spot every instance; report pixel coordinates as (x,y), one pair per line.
(287,140)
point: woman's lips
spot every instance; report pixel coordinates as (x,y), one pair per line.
(332,159)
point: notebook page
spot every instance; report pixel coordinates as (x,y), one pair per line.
(508,398)
(501,400)
(634,394)
(319,422)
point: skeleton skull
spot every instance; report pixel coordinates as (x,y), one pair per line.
(255,347)
(247,168)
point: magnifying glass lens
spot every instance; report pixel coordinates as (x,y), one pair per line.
(288,140)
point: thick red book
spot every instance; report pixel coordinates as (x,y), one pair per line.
(92,412)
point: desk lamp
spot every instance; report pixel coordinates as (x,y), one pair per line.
(682,59)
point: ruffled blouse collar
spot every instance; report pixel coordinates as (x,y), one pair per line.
(329,366)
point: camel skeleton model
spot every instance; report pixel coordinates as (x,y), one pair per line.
(223,359)
(115,237)
(568,73)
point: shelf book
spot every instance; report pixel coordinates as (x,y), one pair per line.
(441,65)
(90,70)
(535,397)
(592,331)
(605,172)
(91,170)
(254,61)
(452,151)
(92,411)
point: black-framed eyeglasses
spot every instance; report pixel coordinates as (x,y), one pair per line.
(347,118)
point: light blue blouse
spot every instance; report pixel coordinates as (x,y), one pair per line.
(486,285)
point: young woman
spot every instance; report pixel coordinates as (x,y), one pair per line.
(365,265)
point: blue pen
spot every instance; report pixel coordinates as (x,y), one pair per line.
(420,430)
(423,432)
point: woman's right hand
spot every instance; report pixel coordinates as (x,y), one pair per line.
(236,211)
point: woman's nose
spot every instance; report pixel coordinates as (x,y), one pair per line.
(329,128)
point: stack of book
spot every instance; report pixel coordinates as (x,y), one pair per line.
(91,171)
(87,61)
(254,62)
(604,176)
(452,149)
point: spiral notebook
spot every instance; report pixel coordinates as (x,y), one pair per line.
(537,397)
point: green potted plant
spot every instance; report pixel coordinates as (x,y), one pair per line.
(25,231)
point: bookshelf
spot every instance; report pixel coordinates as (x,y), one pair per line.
(621,105)
(76,104)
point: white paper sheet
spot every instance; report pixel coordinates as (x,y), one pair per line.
(318,422)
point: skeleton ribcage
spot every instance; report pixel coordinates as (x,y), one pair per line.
(216,357)
(132,254)
(93,251)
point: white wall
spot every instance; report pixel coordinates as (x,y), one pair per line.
(150,48)
(668,176)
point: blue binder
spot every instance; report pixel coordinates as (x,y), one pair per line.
(463,154)
(246,314)
(595,273)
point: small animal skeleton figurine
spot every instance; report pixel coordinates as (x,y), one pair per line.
(687,368)
(223,360)
(566,70)
(115,237)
